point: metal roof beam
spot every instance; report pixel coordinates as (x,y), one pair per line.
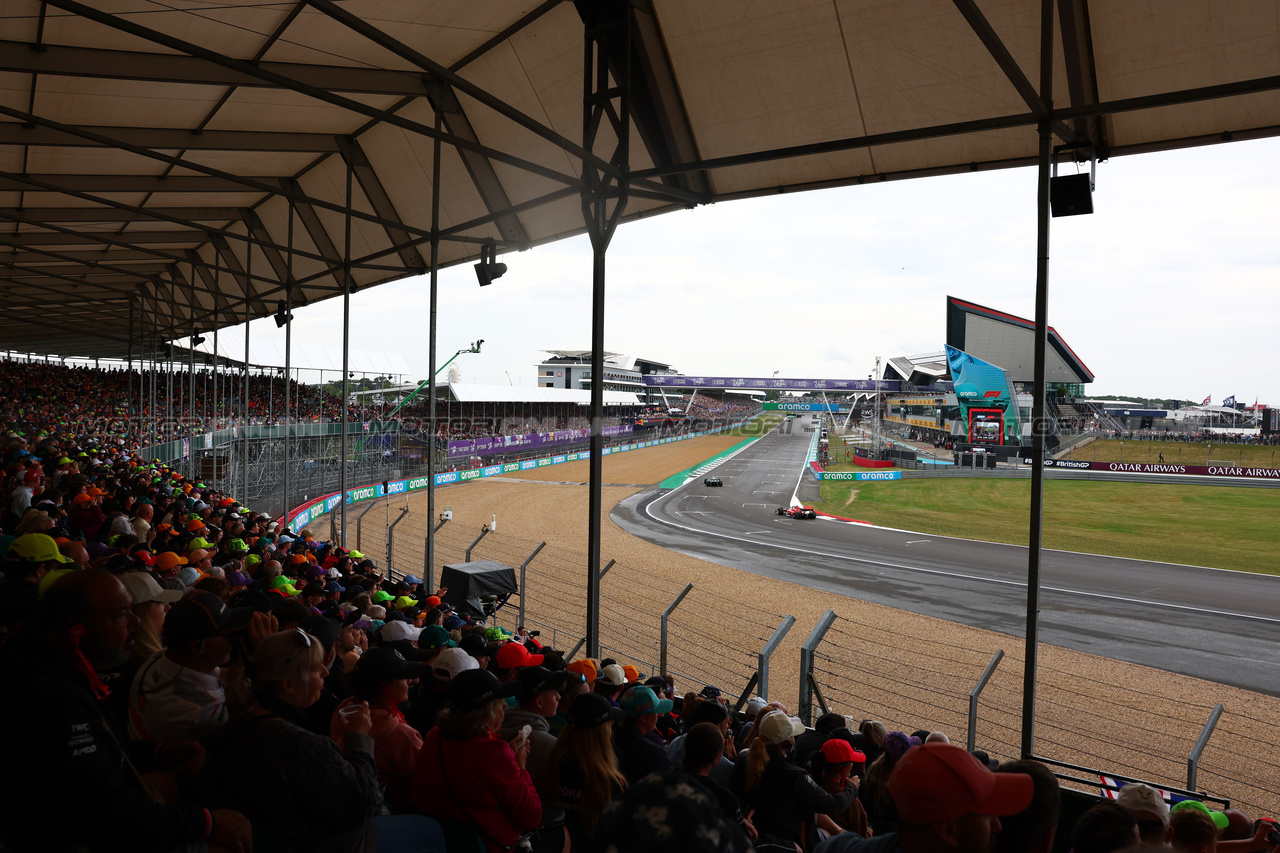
(62,61)
(1082,83)
(135,183)
(319,236)
(371,184)
(128,239)
(87,256)
(255,227)
(187,216)
(15,133)
(88,268)
(987,35)
(253,69)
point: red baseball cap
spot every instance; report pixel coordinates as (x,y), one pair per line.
(515,655)
(940,781)
(838,751)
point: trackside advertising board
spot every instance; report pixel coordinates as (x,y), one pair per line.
(309,512)
(802,407)
(1163,468)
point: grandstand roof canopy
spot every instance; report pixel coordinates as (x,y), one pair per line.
(1009,342)
(466,392)
(169,167)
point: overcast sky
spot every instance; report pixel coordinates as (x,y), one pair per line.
(1171,289)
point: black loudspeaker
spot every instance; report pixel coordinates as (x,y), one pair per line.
(1070,195)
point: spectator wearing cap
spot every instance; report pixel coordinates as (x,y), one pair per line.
(1193,832)
(1034,829)
(511,658)
(638,756)
(874,792)
(582,774)
(587,670)
(177,693)
(783,796)
(832,767)
(469,779)
(539,700)
(86,515)
(717,715)
(432,694)
(1149,809)
(669,812)
(809,742)
(704,750)
(947,803)
(382,678)
(30,557)
(611,681)
(71,743)
(294,784)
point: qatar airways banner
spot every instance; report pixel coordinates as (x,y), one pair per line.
(495,444)
(1162,468)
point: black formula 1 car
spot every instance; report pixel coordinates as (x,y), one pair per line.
(797,511)
(712,481)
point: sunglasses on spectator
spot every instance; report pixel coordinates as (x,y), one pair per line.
(306,639)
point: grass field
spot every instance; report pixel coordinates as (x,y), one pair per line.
(1218,526)
(758,425)
(1178,453)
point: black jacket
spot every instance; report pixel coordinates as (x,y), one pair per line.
(638,756)
(786,799)
(68,784)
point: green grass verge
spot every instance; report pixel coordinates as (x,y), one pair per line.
(758,426)
(1178,453)
(1218,526)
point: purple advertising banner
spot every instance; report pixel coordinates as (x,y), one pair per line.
(495,444)
(729,383)
(1163,468)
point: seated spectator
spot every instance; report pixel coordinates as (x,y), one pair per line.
(783,796)
(381,678)
(29,558)
(832,767)
(539,700)
(1193,831)
(1104,828)
(874,791)
(704,748)
(293,784)
(717,715)
(1149,809)
(638,755)
(669,812)
(71,743)
(582,774)
(809,742)
(947,802)
(177,694)
(1032,830)
(468,779)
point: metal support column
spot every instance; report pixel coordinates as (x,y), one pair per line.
(609,35)
(128,397)
(523,567)
(428,560)
(805,707)
(666,615)
(244,396)
(191,383)
(430,557)
(1038,399)
(346,366)
(288,352)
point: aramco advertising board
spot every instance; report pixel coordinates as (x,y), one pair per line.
(988,404)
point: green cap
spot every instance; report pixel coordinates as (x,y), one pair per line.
(1220,820)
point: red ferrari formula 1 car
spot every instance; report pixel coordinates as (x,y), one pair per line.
(797,511)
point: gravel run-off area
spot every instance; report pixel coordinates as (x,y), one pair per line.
(908,670)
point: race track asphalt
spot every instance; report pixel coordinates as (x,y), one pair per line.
(1218,625)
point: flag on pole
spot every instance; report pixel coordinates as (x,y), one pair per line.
(1229,403)
(1207,400)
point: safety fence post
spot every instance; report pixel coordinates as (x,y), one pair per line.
(359,519)
(524,566)
(1193,760)
(484,531)
(666,614)
(429,554)
(391,533)
(762,668)
(976,692)
(607,567)
(807,684)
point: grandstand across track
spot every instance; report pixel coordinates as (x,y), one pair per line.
(1207,623)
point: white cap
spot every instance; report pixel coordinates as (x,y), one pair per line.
(393,631)
(143,587)
(614,675)
(755,705)
(777,727)
(454,661)
(1136,797)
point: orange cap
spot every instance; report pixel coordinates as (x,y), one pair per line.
(583,667)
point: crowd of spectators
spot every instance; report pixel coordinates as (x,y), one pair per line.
(183,673)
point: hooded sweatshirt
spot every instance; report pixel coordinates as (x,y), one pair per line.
(540,742)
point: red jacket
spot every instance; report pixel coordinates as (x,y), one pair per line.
(485,787)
